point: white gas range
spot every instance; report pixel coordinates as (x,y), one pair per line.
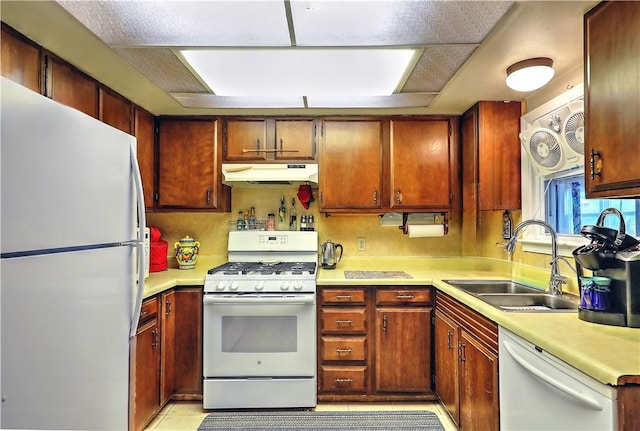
(259,334)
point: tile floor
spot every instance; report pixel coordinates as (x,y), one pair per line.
(187,416)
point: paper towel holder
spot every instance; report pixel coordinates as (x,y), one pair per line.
(424,219)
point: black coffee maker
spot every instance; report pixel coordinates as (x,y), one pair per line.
(612,295)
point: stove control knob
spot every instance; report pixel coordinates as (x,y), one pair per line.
(260,285)
(285,286)
(234,285)
(297,285)
(221,285)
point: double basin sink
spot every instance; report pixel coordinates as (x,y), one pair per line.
(508,295)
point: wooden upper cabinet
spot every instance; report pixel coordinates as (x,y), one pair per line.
(189,165)
(269,139)
(612,100)
(295,139)
(145,137)
(69,86)
(115,110)
(420,164)
(491,155)
(20,59)
(245,139)
(351,165)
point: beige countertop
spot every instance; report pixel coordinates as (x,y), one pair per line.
(610,354)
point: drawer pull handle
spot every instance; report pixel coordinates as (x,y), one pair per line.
(339,380)
(344,350)
(144,313)
(344,322)
(400,296)
(343,296)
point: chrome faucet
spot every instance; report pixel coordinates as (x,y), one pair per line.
(556,281)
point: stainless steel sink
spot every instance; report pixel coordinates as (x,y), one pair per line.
(492,286)
(540,302)
(509,295)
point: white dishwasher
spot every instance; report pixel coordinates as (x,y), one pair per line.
(540,392)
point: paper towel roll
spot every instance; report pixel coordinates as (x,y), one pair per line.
(425,230)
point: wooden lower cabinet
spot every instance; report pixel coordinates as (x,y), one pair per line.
(167,353)
(395,365)
(466,365)
(145,385)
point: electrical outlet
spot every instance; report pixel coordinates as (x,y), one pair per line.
(361,244)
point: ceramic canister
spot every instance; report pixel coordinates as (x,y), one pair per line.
(187,250)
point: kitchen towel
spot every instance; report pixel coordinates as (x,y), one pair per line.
(417,420)
(425,230)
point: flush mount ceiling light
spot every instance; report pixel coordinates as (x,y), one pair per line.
(531,74)
(301,72)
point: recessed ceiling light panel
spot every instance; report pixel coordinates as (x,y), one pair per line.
(300,72)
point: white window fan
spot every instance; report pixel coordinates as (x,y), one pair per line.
(553,134)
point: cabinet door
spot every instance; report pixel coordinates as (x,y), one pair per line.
(479,400)
(188,343)
(295,140)
(420,154)
(145,137)
(498,147)
(246,140)
(351,165)
(612,100)
(446,364)
(147,374)
(20,59)
(69,86)
(403,349)
(115,110)
(187,163)
(167,349)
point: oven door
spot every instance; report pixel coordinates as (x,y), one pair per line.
(259,335)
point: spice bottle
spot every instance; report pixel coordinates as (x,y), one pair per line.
(271,221)
(283,221)
(240,222)
(293,216)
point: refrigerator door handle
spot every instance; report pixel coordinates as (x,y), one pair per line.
(142,224)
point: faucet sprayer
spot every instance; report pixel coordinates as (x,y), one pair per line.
(556,281)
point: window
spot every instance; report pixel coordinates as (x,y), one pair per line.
(568,209)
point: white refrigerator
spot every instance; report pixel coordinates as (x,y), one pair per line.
(71,208)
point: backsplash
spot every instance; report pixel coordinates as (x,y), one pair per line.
(211,229)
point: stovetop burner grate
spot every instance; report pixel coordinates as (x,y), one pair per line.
(264,268)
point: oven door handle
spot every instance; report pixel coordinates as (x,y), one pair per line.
(244,300)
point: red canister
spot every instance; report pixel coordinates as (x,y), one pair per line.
(158,251)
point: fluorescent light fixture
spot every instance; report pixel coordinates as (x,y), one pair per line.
(300,71)
(531,74)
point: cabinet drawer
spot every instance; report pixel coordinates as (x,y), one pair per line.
(343,320)
(148,311)
(342,296)
(343,348)
(403,296)
(343,379)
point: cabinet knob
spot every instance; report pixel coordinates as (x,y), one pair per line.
(399,196)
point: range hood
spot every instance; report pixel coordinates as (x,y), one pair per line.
(258,174)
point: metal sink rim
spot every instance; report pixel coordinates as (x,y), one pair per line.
(496,299)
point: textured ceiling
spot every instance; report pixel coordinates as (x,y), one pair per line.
(467,46)
(148,33)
